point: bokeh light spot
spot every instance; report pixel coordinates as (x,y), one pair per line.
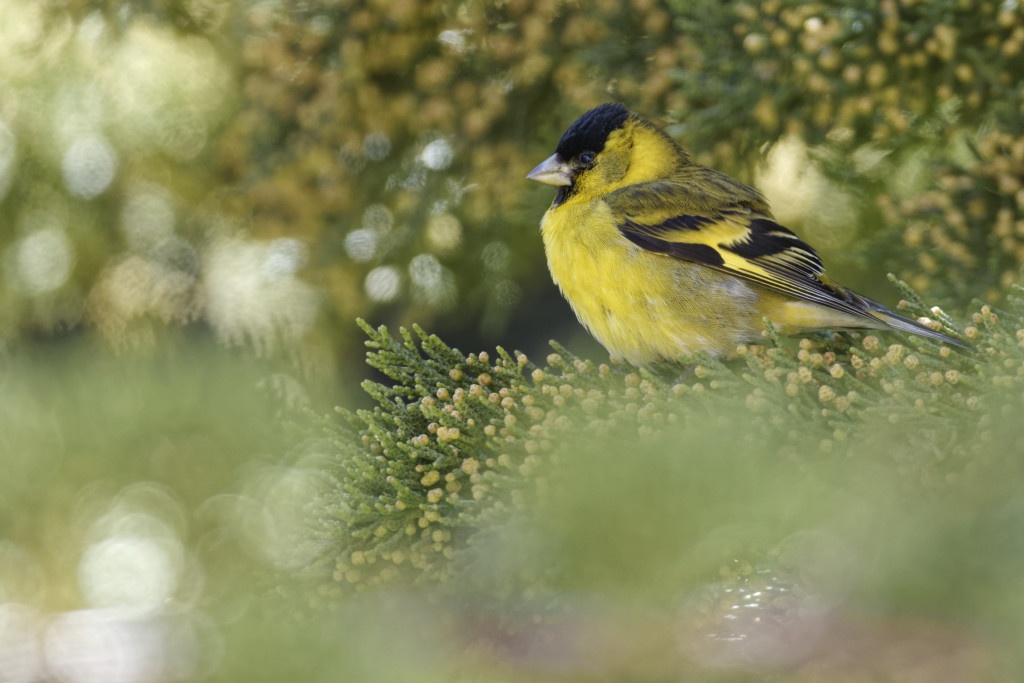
(92,28)
(378,217)
(496,256)
(454,39)
(444,232)
(368,241)
(425,270)
(433,284)
(437,155)
(507,293)
(383,284)
(42,261)
(285,258)
(376,146)
(361,245)
(89,165)
(136,572)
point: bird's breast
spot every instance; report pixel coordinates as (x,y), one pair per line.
(640,305)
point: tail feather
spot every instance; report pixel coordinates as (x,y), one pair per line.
(892,319)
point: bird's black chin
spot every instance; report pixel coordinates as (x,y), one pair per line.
(564,192)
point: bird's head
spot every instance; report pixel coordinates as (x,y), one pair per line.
(607,148)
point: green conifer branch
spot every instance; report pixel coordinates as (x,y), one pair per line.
(459,443)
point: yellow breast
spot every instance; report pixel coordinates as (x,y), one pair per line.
(643,306)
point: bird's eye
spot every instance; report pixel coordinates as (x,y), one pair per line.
(587,158)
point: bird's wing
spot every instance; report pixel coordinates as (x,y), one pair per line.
(735,237)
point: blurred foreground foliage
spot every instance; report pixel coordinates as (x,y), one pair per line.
(144,501)
(808,485)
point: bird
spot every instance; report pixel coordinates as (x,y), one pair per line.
(662,258)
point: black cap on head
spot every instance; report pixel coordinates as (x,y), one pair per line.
(590,131)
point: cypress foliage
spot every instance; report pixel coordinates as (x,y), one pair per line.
(459,446)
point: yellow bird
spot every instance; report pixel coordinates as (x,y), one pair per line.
(661,257)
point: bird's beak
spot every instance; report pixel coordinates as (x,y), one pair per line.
(552,171)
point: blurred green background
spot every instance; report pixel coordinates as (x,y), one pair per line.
(198,197)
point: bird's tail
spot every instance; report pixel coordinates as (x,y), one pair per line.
(892,319)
